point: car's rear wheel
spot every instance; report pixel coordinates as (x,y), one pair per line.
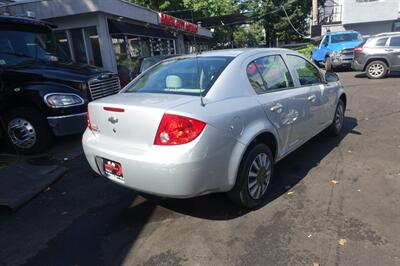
(254,177)
(376,70)
(338,120)
(27,130)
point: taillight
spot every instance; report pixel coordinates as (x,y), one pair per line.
(176,130)
(358,50)
(89,124)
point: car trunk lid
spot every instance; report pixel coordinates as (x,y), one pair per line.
(132,119)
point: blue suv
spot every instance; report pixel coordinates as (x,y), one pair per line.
(336,49)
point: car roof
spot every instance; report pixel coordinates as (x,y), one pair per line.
(237,52)
(341,32)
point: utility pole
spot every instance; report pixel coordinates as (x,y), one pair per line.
(314,12)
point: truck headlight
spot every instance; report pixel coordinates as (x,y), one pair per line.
(62,100)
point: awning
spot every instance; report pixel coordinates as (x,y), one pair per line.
(117,27)
(197,39)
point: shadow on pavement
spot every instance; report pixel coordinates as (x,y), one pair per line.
(288,173)
(393,74)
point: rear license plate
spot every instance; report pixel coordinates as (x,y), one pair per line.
(113,170)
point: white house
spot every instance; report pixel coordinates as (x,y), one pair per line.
(365,16)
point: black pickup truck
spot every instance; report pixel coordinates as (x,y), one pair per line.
(42,92)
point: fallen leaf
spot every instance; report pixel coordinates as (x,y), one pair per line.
(315,264)
(47,189)
(366,118)
(359,190)
(290,193)
(66,159)
(334,182)
(342,242)
(349,151)
(310,235)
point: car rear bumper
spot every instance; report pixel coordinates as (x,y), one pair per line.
(67,124)
(181,171)
(341,61)
(356,66)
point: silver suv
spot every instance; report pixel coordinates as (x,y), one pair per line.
(379,55)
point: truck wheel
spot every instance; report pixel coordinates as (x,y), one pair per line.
(27,130)
(254,177)
(328,64)
(376,70)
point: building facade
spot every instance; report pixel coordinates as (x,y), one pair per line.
(368,17)
(114,34)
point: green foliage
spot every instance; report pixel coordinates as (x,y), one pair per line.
(305,49)
(270,21)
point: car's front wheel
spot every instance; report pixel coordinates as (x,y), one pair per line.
(376,70)
(254,177)
(27,130)
(338,120)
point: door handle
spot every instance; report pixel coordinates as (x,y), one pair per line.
(276,107)
(312,98)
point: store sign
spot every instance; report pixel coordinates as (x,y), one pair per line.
(177,23)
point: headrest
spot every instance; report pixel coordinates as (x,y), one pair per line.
(173,82)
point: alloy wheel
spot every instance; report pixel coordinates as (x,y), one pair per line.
(376,70)
(22,133)
(339,117)
(259,176)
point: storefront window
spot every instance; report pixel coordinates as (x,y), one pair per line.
(93,46)
(78,46)
(129,50)
(82,45)
(62,39)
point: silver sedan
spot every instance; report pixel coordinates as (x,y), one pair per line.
(212,122)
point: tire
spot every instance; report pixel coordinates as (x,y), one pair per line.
(338,120)
(27,130)
(259,184)
(376,70)
(328,64)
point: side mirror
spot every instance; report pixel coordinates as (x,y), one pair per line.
(331,77)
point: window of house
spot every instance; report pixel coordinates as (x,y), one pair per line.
(306,72)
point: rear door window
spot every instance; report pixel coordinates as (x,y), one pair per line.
(269,73)
(394,41)
(381,42)
(306,72)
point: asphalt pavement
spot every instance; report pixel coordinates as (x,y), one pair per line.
(335,201)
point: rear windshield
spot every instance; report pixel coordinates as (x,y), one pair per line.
(346,37)
(190,76)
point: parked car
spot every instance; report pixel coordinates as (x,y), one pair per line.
(336,49)
(378,56)
(216,122)
(42,93)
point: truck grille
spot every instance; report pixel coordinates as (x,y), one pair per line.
(348,52)
(100,88)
